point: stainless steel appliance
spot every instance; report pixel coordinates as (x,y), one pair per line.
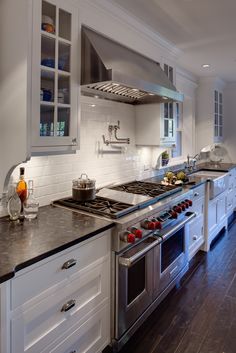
(112,71)
(148,269)
(149,248)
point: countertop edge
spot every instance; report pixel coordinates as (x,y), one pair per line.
(54,251)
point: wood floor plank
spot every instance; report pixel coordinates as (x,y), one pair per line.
(219,330)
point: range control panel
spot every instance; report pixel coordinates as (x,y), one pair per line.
(157,222)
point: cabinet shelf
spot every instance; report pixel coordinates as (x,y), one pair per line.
(63,105)
(47,68)
(48,34)
(48,104)
(63,73)
(65,41)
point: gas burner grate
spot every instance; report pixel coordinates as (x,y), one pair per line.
(101,206)
(147,189)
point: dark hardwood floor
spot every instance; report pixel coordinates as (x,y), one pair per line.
(199,316)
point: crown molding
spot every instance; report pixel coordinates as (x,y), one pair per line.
(187,75)
(118,14)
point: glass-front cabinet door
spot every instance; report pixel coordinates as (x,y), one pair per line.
(55,76)
(169,111)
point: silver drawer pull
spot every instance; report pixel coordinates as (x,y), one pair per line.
(196,194)
(68,264)
(69,305)
(73,352)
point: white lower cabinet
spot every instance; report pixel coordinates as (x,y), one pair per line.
(90,337)
(231,194)
(196,235)
(212,215)
(196,226)
(216,218)
(72,315)
(4,317)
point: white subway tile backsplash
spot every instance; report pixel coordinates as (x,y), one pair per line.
(53,175)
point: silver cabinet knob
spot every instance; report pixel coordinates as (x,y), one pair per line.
(194,237)
(75,351)
(68,264)
(196,194)
(69,305)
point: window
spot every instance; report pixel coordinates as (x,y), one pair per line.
(177,150)
(218,115)
(169,110)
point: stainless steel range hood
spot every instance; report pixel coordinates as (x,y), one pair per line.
(112,71)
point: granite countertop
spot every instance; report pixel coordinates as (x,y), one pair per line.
(54,230)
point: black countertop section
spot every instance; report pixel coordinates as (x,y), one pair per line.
(54,230)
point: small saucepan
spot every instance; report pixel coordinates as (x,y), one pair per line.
(83,189)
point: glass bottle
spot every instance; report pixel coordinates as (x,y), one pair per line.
(14,204)
(21,187)
(31,205)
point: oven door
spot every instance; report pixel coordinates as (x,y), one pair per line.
(134,283)
(171,257)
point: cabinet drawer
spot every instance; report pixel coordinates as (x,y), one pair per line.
(230,201)
(198,192)
(43,276)
(196,230)
(198,206)
(232,178)
(39,325)
(91,337)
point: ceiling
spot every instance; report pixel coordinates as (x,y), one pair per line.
(204,30)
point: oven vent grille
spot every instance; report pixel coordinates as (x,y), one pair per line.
(118,89)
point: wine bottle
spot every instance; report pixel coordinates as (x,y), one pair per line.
(21,189)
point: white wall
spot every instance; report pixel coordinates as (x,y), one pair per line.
(229,107)
(186,83)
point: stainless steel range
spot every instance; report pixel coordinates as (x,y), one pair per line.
(149,247)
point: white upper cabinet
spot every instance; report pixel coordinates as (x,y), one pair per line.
(156,123)
(209,115)
(55,76)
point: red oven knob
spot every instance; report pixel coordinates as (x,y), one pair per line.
(146,224)
(177,209)
(174,214)
(128,237)
(182,206)
(190,202)
(186,204)
(137,232)
(158,225)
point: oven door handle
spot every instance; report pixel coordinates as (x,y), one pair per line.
(128,261)
(175,229)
